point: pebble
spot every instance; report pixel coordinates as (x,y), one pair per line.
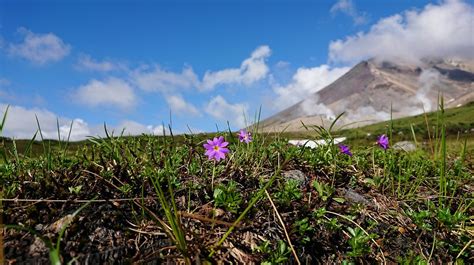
(406,146)
(353,196)
(297,175)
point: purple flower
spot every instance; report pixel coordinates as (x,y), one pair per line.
(345,149)
(216,149)
(245,136)
(382,141)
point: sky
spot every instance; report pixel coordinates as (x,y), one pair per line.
(199,65)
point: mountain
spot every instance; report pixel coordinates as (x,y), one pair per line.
(371,90)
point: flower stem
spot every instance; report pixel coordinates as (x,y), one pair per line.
(213,174)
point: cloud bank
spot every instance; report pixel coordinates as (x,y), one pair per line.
(157,79)
(348,7)
(21,124)
(219,108)
(112,92)
(442,30)
(86,62)
(180,106)
(251,70)
(39,48)
(305,82)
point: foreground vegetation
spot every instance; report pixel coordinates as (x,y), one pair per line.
(138,199)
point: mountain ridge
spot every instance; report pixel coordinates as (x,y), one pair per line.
(372,91)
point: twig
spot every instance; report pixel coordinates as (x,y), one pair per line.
(147,233)
(99,176)
(432,247)
(464,248)
(284,229)
(375,242)
(76,201)
(205,219)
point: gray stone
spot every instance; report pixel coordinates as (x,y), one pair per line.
(297,175)
(353,196)
(37,247)
(406,146)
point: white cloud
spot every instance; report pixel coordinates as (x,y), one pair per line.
(135,128)
(305,82)
(427,80)
(251,70)
(86,62)
(312,106)
(193,130)
(39,48)
(112,92)
(282,64)
(222,110)
(79,130)
(180,106)
(442,30)
(348,7)
(21,124)
(157,79)
(365,113)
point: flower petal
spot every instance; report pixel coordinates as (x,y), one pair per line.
(220,155)
(208,146)
(224,150)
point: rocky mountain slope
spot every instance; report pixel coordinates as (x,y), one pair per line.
(371,90)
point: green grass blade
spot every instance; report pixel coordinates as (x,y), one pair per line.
(59,133)
(335,120)
(30,144)
(68,137)
(4,119)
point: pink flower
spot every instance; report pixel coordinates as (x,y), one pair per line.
(216,149)
(245,136)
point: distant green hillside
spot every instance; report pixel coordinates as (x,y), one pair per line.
(458,121)
(459,127)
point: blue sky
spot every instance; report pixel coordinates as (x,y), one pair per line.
(131,63)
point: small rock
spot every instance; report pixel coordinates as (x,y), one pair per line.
(406,146)
(353,196)
(38,247)
(218,212)
(61,223)
(39,227)
(297,175)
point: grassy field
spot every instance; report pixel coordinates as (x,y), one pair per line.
(459,124)
(139,199)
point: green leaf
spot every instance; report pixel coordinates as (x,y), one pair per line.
(370,181)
